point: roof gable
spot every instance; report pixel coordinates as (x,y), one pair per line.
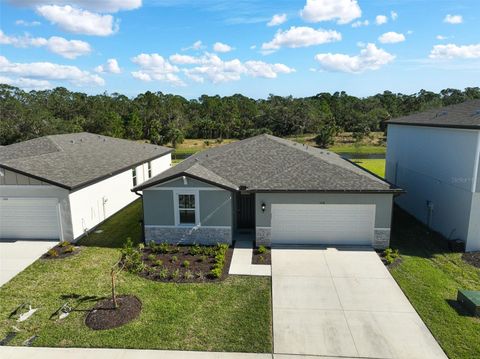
(268,163)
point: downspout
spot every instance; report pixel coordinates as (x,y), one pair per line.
(142,221)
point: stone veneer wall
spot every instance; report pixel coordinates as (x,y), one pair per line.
(263,236)
(381,238)
(178,235)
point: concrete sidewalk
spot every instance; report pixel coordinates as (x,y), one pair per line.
(88,353)
(242,261)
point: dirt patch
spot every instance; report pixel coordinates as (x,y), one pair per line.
(105,316)
(261,258)
(181,266)
(62,250)
(472,258)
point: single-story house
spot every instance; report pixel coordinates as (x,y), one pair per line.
(281,191)
(62,186)
(434,156)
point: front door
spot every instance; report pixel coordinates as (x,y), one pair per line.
(245,211)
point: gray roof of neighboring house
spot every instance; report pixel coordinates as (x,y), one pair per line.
(268,163)
(463,115)
(75,160)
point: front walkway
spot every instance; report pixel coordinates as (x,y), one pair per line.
(242,261)
(15,256)
(343,303)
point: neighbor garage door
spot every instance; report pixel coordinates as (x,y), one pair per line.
(29,218)
(334,224)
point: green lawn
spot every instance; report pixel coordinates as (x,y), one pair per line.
(233,315)
(430,276)
(376,166)
(359,149)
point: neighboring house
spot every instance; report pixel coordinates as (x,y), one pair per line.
(434,156)
(62,186)
(280,191)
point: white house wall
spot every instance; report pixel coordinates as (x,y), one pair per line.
(44,191)
(473,243)
(93,204)
(437,168)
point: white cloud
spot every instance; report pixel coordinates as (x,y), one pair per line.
(197,45)
(381,19)
(93,5)
(221,47)
(155,67)
(301,36)
(182,59)
(391,37)
(441,37)
(263,69)
(253,47)
(393,15)
(48,71)
(79,21)
(370,58)
(451,51)
(277,19)
(26,83)
(27,23)
(111,67)
(344,11)
(69,49)
(360,23)
(453,19)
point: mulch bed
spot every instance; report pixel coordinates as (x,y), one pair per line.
(472,258)
(197,270)
(392,265)
(258,258)
(61,251)
(105,316)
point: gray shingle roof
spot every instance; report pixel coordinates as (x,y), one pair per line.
(78,159)
(463,115)
(268,163)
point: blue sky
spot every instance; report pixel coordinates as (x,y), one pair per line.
(297,48)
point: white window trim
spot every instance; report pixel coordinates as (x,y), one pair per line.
(178,192)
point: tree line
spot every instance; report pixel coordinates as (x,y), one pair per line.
(166,118)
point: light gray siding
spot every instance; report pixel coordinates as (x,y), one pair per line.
(215,208)
(437,167)
(158,207)
(15,179)
(383,203)
(473,242)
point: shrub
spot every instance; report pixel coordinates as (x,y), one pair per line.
(163,273)
(186,264)
(52,253)
(158,263)
(202,258)
(176,274)
(151,257)
(174,259)
(163,247)
(188,274)
(69,249)
(194,250)
(261,259)
(200,275)
(64,244)
(390,255)
(132,257)
(216,272)
(262,250)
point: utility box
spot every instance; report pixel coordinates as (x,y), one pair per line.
(470,300)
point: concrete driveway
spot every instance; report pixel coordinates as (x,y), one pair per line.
(15,256)
(343,303)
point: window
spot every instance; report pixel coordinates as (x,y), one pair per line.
(186,209)
(134,176)
(149,169)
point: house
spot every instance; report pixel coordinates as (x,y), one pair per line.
(280,191)
(434,156)
(60,187)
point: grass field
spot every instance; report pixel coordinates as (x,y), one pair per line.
(233,315)
(430,276)
(376,166)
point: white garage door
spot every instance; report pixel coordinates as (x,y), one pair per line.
(335,224)
(29,218)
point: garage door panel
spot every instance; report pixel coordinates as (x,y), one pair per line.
(323,224)
(29,218)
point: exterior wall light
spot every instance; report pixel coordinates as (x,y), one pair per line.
(263,206)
